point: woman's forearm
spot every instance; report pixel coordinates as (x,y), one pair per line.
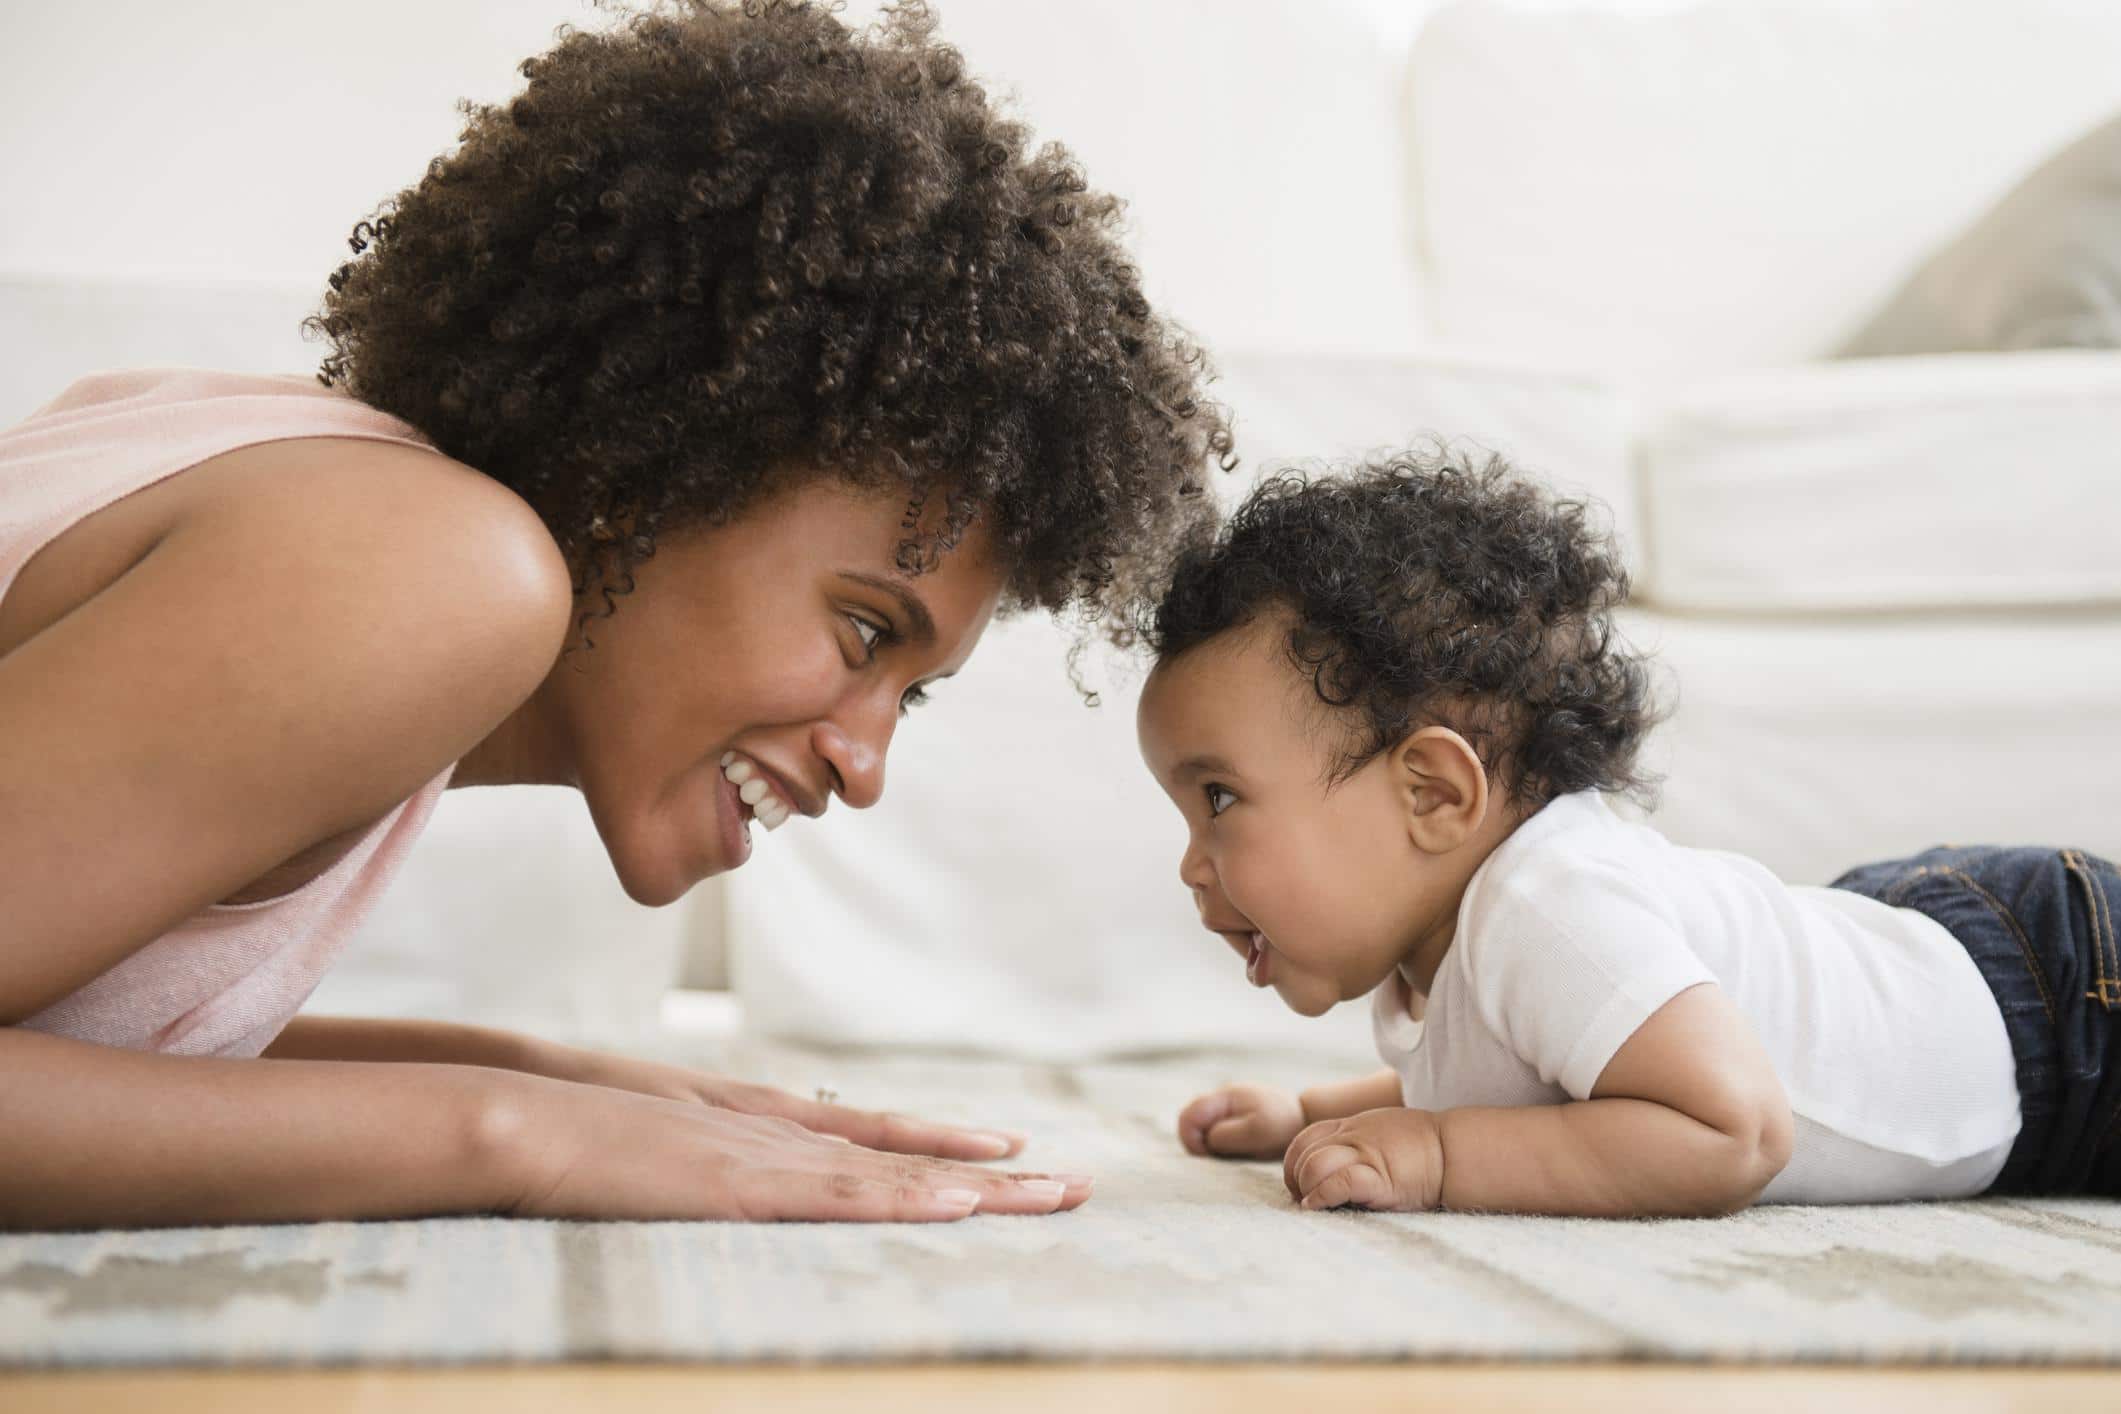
(1375,1091)
(1601,1158)
(101,1137)
(361,1038)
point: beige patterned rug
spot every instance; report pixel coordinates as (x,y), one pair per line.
(1175,1258)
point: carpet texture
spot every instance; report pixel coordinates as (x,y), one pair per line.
(1174,1258)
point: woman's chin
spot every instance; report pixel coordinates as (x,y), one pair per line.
(666,875)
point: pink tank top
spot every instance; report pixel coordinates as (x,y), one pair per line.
(224,982)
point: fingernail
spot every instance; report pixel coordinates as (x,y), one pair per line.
(993,1145)
(1043,1188)
(1074,1180)
(958,1197)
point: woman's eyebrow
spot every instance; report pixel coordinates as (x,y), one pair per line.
(920,624)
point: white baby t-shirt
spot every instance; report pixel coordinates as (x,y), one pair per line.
(1580,925)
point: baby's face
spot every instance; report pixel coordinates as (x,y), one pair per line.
(1321,892)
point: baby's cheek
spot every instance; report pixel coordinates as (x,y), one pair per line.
(1296,910)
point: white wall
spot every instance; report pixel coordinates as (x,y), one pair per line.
(240,140)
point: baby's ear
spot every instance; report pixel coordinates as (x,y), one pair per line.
(1443,786)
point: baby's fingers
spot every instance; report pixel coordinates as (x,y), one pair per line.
(1196,1119)
(1245,1134)
(1353,1181)
(1307,1142)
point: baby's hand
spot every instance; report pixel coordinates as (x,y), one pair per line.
(1388,1160)
(1241,1121)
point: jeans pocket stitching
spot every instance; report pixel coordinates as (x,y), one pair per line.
(2025,946)
(2098,913)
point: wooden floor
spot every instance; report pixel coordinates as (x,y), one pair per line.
(1052,1389)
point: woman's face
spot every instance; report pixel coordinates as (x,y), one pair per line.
(786,644)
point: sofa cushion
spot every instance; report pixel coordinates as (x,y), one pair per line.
(2041,270)
(1818,744)
(1955,481)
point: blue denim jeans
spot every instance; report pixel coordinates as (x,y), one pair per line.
(2040,924)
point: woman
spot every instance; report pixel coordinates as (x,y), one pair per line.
(678,428)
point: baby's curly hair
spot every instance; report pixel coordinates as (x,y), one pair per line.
(716,249)
(1425,587)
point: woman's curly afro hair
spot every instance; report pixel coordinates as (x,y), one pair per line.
(1423,588)
(715,249)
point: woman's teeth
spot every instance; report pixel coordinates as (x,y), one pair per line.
(751,788)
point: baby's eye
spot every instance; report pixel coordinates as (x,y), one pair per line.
(1219,799)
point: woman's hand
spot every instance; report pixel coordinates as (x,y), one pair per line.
(891,1133)
(1241,1122)
(1389,1160)
(585,1151)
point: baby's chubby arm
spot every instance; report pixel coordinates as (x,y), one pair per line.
(1687,1119)
(1257,1121)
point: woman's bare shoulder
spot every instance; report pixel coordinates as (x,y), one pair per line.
(415,511)
(407,562)
(276,655)
(420,511)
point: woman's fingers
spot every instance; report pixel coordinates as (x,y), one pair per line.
(873,1129)
(1075,1187)
(1019,1194)
(999,1193)
(902,1134)
(842,1197)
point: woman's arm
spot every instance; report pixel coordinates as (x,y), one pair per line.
(1688,1119)
(101,1137)
(360,1038)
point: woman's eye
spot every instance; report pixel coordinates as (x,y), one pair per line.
(869,633)
(1219,799)
(915,697)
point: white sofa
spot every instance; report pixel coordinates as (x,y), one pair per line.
(1612,240)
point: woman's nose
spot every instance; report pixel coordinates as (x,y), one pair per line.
(855,750)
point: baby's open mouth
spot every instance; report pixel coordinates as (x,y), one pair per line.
(1259,963)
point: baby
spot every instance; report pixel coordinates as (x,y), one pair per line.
(1390,705)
